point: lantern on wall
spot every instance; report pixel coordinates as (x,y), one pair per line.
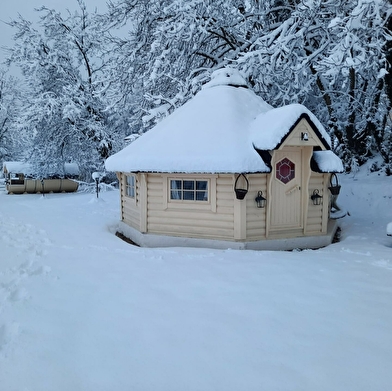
(260,200)
(316,197)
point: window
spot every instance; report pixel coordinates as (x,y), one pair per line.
(285,170)
(188,190)
(130,186)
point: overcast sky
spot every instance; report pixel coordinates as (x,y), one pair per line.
(11,8)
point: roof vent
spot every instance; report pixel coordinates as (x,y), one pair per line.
(226,77)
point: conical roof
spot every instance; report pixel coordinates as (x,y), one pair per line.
(217,131)
(208,134)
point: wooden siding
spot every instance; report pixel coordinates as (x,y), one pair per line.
(223,217)
(164,217)
(314,222)
(256,217)
(294,139)
(130,212)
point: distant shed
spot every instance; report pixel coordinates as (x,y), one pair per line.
(20,178)
(228,170)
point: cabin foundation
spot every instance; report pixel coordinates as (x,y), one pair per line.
(283,244)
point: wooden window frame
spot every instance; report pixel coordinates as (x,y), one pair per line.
(130,188)
(209,204)
(189,191)
(290,175)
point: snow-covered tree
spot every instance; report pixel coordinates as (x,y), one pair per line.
(87,86)
(384,138)
(64,107)
(327,54)
(170,50)
(10,140)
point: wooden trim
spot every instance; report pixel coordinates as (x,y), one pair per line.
(120,177)
(316,138)
(143,202)
(326,206)
(239,217)
(269,192)
(306,173)
(209,205)
(213,194)
(165,179)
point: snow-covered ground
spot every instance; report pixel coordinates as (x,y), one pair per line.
(82,310)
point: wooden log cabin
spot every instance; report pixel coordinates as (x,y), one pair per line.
(227,170)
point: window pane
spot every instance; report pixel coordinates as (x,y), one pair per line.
(189,195)
(201,185)
(189,185)
(130,188)
(201,196)
(175,190)
(175,185)
(175,194)
(285,170)
(202,190)
(130,180)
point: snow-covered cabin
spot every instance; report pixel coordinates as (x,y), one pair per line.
(20,178)
(195,178)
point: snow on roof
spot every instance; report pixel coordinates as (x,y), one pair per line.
(27,168)
(132,137)
(216,131)
(327,161)
(71,168)
(208,134)
(269,128)
(226,77)
(17,167)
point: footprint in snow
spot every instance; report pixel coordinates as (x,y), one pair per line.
(18,294)
(8,334)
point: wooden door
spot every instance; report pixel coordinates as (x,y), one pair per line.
(286,198)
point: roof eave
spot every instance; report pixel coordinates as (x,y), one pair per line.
(312,125)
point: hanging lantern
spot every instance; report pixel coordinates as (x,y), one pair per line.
(316,197)
(260,200)
(305,136)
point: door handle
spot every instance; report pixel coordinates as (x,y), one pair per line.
(293,189)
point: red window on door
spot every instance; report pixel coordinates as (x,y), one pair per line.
(285,170)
